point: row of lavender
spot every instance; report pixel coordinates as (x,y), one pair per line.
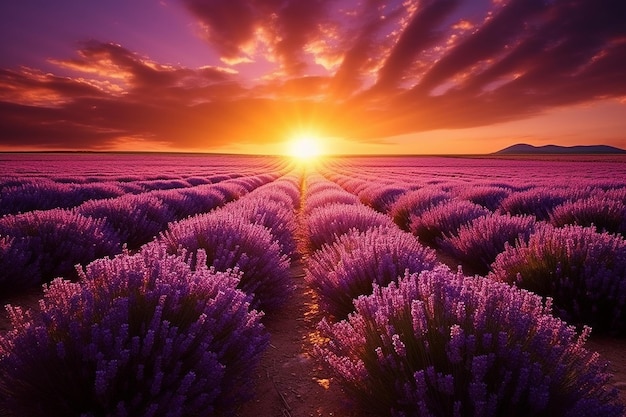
(173,329)
(38,246)
(71,184)
(406,336)
(99,167)
(558,194)
(565,242)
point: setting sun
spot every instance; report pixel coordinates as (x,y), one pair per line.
(305,147)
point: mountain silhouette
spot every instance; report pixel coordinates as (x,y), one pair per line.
(525,149)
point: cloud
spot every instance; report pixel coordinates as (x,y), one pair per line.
(128,96)
(420,33)
(281,28)
(362,70)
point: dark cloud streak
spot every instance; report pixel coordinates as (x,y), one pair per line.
(489,40)
(421,33)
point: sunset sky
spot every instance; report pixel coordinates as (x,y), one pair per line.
(365,76)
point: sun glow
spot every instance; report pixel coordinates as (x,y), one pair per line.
(305,146)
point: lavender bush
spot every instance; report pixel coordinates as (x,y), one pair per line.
(7,182)
(163,184)
(137,219)
(441,344)
(201,199)
(287,190)
(175,202)
(582,270)
(131,187)
(618,193)
(414,203)
(274,216)
(139,335)
(40,195)
(256,181)
(188,202)
(477,243)
(195,181)
(488,196)
(348,268)
(350,183)
(19,267)
(231,242)
(381,198)
(41,245)
(325,197)
(444,219)
(231,191)
(538,202)
(605,214)
(327,223)
(98,190)
(284,191)
(315,184)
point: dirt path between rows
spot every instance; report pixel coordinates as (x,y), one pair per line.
(612,350)
(289,381)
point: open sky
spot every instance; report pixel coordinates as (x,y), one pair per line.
(366,76)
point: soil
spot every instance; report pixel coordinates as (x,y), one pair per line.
(290,381)
(27,299)
(614,351)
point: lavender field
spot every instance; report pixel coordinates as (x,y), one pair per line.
(150,284)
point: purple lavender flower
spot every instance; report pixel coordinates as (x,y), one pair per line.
(252,182)
(439,343)
(137,219)
(163,184)
(195,181)
(232,242)
(19,267)
(357,260)
(315,184)
(444,219)
(188,202)
(617,193)
(582,270)
(381,197)
(349,183)
(231,191)
(260,208)
(42,194)
(414,203)
(325,197)
(285,190)
(41,245)
(605,214)
(488,196)
(327,223)
(538,202)
(138,335)
(477,243)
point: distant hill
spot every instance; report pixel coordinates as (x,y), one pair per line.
(525,149)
